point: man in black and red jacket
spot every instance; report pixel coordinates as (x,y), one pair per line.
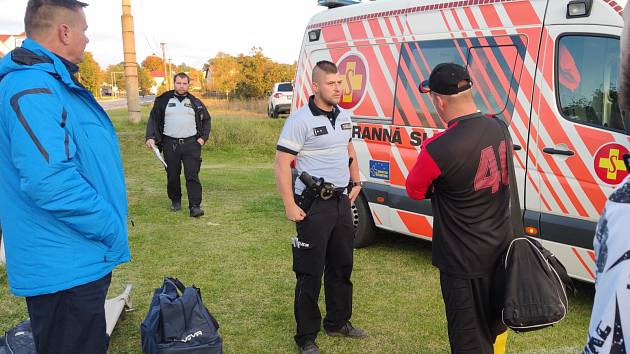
(464,172)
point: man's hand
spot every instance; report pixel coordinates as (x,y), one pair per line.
(150,143)
(294,213)
(354,193)
(200,141)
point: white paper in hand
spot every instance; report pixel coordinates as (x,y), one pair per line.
(159,156)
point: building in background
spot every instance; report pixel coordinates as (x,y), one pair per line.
(8,42)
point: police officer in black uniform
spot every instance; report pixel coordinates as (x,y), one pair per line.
(179,124)
(318,138)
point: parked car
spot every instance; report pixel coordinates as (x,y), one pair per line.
(280,99)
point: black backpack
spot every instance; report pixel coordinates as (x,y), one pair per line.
(178,322)
(18,340)
(536,286)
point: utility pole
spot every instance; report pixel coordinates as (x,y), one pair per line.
(131,66)
(170,71)
(166,76)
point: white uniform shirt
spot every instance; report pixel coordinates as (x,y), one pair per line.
(321,149)
(179,118)
(610,321)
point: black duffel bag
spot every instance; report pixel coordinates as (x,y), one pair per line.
(534,282)
(178,322)
(536,287)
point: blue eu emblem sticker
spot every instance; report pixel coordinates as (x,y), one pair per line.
(379,169)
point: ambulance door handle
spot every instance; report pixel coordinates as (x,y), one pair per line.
(517,147)
(554,151)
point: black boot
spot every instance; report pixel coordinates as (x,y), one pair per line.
(196,211)
(176,205)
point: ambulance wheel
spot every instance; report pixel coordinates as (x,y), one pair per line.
(364,228)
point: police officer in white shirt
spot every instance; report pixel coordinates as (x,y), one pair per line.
(179,124)
(318,137)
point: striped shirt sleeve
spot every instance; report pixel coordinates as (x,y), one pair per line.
(292,136)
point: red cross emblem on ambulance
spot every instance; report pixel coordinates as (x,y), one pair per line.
(609,164)
(354,80)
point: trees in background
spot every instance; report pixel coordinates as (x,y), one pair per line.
(115,75)
(225,73)
(145,81)
(242,76)
(153,63)
(247,76)
(90,74)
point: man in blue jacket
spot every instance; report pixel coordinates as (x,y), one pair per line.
(62,189)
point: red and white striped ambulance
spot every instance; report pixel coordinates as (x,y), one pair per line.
(548,67)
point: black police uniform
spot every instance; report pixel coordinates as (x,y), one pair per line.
(177,150)
(324,242)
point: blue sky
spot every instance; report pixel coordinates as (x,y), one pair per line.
(194,30)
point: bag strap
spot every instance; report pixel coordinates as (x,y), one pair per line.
(171,285)
(515,206)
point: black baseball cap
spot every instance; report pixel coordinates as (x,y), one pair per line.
(445,79)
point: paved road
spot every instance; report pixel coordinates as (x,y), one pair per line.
(122,102)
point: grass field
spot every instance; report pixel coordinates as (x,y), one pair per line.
(239,255)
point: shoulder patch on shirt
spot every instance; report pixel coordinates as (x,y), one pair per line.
(346,126)
(320,130)
(172,104)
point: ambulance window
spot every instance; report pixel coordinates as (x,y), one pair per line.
(492,70)
(587,75)
(416,60)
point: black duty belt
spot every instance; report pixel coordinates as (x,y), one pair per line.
(337,193)
(180,141)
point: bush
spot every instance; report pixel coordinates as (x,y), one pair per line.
(252,134)
(230,130)
(236,105)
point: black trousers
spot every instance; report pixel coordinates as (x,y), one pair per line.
(187,153)
(326,239)
(472,312)
(71,321)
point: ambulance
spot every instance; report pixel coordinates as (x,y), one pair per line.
(549,68)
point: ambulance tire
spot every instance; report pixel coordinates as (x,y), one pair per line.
(364,228)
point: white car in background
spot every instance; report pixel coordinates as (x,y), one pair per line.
(280,99)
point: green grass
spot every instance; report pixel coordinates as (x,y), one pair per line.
(239,255)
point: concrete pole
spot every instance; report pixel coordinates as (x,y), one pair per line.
(131,66)
(166,75)
(170,72)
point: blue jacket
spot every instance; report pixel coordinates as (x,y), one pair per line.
(63,206)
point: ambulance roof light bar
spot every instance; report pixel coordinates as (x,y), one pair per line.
(336,3)
(579,8)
